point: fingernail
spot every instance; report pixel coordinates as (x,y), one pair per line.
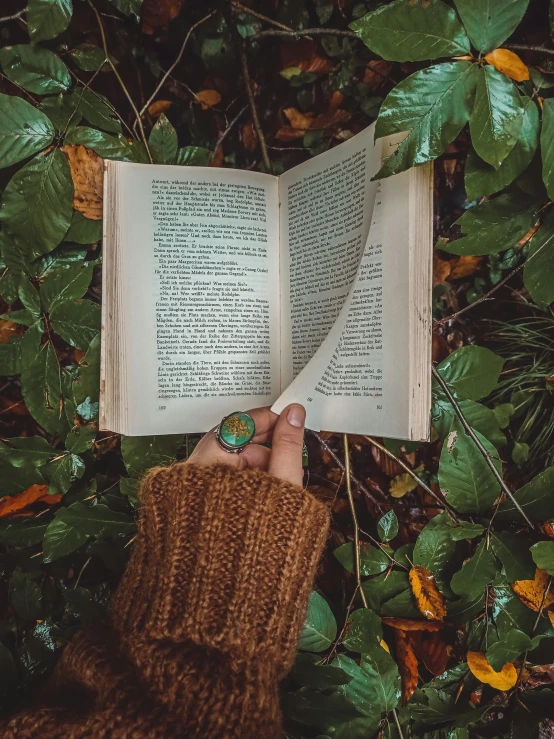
(296,416)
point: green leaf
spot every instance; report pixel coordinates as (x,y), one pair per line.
(15,480)
(547,146)
(86,385)
(520,452)
(140,453)
(29,297)
(69,282)
(483,179)
(309,672)
(464,474)
(402,605)
(479,417)
(372,561)
(80,439)
(129,487)
(360,691)
(513,552)
(34,68)
(24,130)
(98,521)
(32,450)
(83,230)
(96,109)
(489,22)
(387,526)
(497,117)
(63,472)
(433,104)
(128,7)
(91,58)
(315,709)
(320,628)
(61,539)
(8,670)
(435,548)
(42,390)
(494,225)
(543,556)
(460,530)
(46,19)
(535,499)
(22,532)
(538,272)
(476,573)
(471,371)
(76,321)
(194,156)
(364,631)
(508,649)
(383,676)
(503,413)
(26,594)
(163,142)
(106,146)
(60,109)
(46,183)
(404,32)
(10,358)
(384,587)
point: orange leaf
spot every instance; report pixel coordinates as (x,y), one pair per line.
(407,665)
(441,270)
(465,266)
(479,666)
(158,107)
(298,119)
(87,171)
(288,133)
(13,503)
(509,64)
(51,499)
(432,651)
(411,624)
(208,98)
(7,330)
(376,73)
(529,235)
(531,592)
(304,55)
(158,13)
(427,596)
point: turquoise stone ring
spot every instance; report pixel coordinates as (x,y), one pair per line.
(235,432)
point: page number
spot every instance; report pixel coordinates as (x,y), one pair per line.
(162,407)
(309,400)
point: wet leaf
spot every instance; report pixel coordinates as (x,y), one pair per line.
(471,372)
(35,68)
(363,631)
(24,130)
(194,156)
(27,451)
(42,391)
(535,498)
(46,19)
(163,142)
(106,146)
(503,679)
(538,272)
(76,321)
(90,58)
(490,23)
(476,573)
(61,539)
(96,109)
(387,526)
(320,628)
(513,552)
(372,560)
(428,598)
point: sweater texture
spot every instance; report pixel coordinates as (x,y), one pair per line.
(205,621)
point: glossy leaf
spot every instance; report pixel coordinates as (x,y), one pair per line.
(96,109)
(535,498)
(476,573)
(364,631)
(42,391)
(427,596)
(163,142)
(98,521)
(404,32)
(479,417)
(508,649)
(35,68)
(193,156)
(76,321)
(435,548)
(433,104)
(24,130)
(547,146)
(372,560)
(320,628)
(60,109)
(494,225)
(483,179)
(27,451)
(142,452)
(387,526)
(497,116)
(46,182)
(46,19)
(471,372)
(65,283)
(61,539)
(63,472)
(490,22)
(83,230)
(513,552)
(105,145)
(23,532)
(91,58)
(543,556)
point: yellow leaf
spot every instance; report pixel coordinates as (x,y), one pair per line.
(298,119)
(405,483)
(427,596)
(385,646)
(208,98)
(87,172)
(531,592)
(479,666)
(509,64)
(290,72)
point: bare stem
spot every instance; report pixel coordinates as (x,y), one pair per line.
(13,17)
(252,102)
(354,520)
(228,129)
(526,47)
(120,80)
(397,722)
(176,62)
(438,377)
(303,32)
(243,9)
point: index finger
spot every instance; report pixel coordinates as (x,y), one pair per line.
(264,421)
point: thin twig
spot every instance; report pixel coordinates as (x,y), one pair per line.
(252,102)
(525,47)
(13,17)
(354,479)
(420,482)
(354,520)
(543,602)
(303,32)
(227,131)
(438,377)
(176,62)
(75,109)
(23,90)
(397,722)
(104,100)
(120,80)
(83,568)
(243,9)
(378,544)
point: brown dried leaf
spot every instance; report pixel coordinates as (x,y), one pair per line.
(249,136)
(304,55)
(8,329)
(412,624)
(441,270)
(429,599)
(14,503)
(376,73)
(158,107)
(433,652)
(465,266)
(505,679)
(407,665)
(508,63)
(288,133)
(87,171)
(158,13)
(297,119)
(207,98)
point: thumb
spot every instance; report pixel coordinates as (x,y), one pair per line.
(285,461)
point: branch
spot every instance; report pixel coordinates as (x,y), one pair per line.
(13,17)
(252,102)
(438,377)
(304,32)
(525,47)
(176,62)
(339,463)
(228,129)
(243,9)
(354,520)
(428,490)
(120,80)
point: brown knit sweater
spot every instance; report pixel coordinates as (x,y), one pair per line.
(205,621)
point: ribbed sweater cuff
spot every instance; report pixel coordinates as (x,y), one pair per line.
(224,560)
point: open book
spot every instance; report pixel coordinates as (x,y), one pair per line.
(226,289)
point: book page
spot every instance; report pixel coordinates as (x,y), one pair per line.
(200,294)
(358,379)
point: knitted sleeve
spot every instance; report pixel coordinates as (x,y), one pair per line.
(206,618)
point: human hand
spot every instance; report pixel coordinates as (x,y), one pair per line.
(283,460)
